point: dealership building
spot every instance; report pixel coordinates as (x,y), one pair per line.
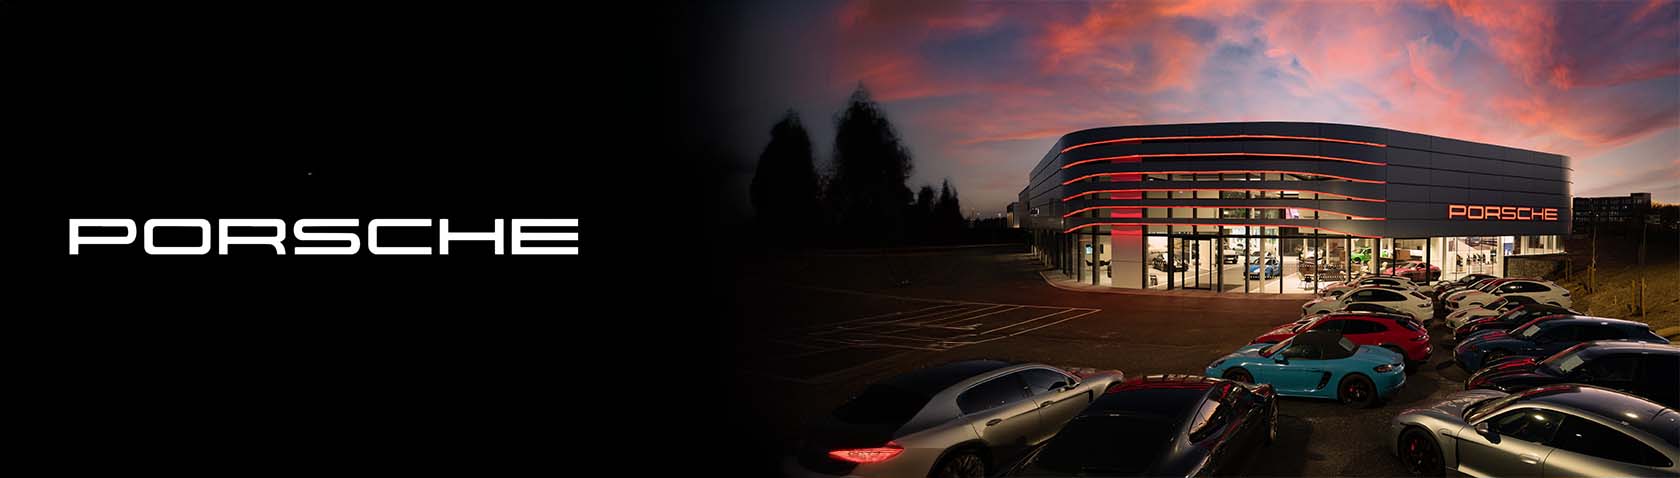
(1278,207)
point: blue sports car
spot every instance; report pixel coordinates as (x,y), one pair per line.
(1320,364)
(1269,268)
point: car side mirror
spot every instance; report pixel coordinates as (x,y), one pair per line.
(1060,386)
(1281,359)
(1487,432)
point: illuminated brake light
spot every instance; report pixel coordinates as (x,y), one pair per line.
(868,455)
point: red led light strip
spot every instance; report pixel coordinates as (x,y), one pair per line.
(1356,218)
(1242,171)
(1192,224)
(1106,191)
(1196,155)
(1228,136)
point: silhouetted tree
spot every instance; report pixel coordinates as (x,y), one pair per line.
(784,187)
(920,220)
(947,213)
(867,192)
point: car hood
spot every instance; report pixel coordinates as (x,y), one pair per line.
(1481,320)
(1250,351)
(1519,374)
(1485,338)
(1452,407)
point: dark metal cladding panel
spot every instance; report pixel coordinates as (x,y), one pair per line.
(1354,133)
(1407,175)
(1354,151)
(1408,157)
(1425,175)
(1402,139)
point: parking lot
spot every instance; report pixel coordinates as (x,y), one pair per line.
(816,329)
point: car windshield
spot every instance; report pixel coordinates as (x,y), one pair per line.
(1565,361)
(1303,324)
(1476,411)
(1268,351)
(1511,314)
(1527,330)
(1497,304)
(1116,444)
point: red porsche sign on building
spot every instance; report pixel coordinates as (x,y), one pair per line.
(1501,213)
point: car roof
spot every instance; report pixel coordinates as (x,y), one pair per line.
(1582,319)
(1169,395)
(1381,287)
(1537,307)
(1616,406)
(932,380)
(1605,347)
(1369,315)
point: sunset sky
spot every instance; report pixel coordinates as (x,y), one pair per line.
(979,91)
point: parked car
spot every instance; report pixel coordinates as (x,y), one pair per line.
(1411,302)
(1159,262)
(1560,430)
(1161,425)
(947,420)
(1270,268)
(1541,291)
(1320,365)
(1509,320)
(1546,336)
(1398,333)
(1458,317)
(1436,288)
(1371,307)
(1414,270)
(1442,296)
(1362,255)
(1338,288)
(1643,369)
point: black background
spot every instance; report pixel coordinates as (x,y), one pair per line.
(471,362)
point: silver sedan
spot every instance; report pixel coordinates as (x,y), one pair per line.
(963,419)
(1553,431)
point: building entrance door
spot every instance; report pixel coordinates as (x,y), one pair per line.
(1200,259)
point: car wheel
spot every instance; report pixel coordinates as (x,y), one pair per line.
(1358,391)
(1419,452)
(962,465)
(1239,375)
(1271,424)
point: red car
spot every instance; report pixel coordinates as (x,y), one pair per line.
(1395,332)
(1416,271)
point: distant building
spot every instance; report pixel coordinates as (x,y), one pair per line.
(1612,211)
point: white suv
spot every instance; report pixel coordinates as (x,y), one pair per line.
(1541,291)
(1408,301)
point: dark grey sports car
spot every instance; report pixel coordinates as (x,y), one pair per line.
(1161,425)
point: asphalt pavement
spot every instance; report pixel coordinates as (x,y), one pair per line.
(814,329)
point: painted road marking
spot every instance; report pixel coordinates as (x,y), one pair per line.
(939,326)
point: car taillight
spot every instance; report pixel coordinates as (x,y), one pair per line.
(1384,368)
(868,455)
(1420,338)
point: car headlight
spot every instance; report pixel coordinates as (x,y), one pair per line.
(1216,363)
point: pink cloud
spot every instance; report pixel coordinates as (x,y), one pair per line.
(1524,74)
